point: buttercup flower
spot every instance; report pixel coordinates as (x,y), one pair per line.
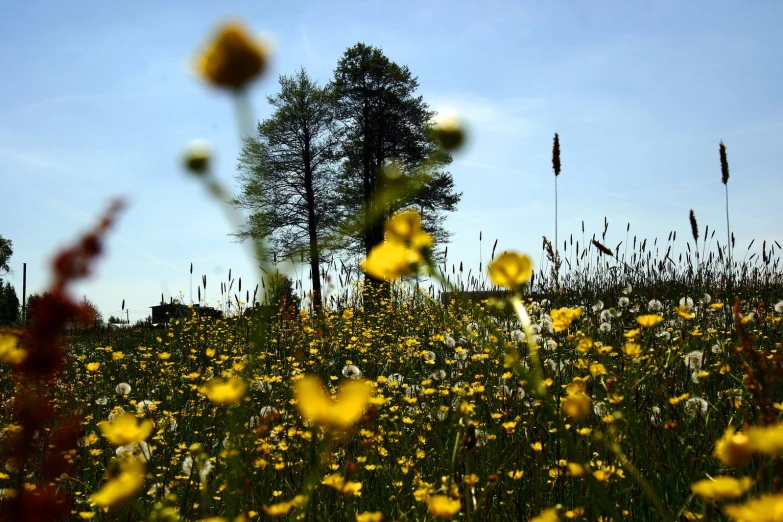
(126,429)
(510,270)
(225,391)
(719,488)
(232,58)
(123,486)
(315,405)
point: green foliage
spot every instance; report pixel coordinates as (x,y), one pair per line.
(6,251)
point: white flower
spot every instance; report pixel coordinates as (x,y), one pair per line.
(438,376)
(123,388)
(716,348)
(411,391)
(694,360)
(598,306)
(687,302)
(663,334)
(145,406)
(600,409)
(779,307)
(627,289)
(606,316)
(394,379)
(517,336)
(536,328)
(655,305)
(623,302)
(173,425)
(449,341)
(655,417)
(705,299)
(550,345)
(137,449)
(352,372)
(695,406)
(546,324)
(429,356)
(101,401)
(605,327)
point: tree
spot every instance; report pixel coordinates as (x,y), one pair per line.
(387,129)
(287,175)
(6,251)
(89,315)
(9,304)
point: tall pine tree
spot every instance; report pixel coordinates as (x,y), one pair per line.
(386,123)
(287,175)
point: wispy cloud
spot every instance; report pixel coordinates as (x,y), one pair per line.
(34,160)
(91,97)
(508,116)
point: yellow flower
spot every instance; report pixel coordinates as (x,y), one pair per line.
(716,306)
(767,440)
(121,487)
(630,334)
(766,508)
(224,391)
(510,269)
(563,317)
(369,516)
(316,406)
(405,227)
(93,366)
(577,406)
(391,260)
(336,481)
(126,429)
(683,312)
(719,488)
(9,351)
(284,508)
(548,515)
(632,349)
(733,449)
(648,321)
(232,58)
(443,506)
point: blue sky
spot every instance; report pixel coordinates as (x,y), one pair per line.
(97,100)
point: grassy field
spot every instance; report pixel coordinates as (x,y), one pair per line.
(469,414)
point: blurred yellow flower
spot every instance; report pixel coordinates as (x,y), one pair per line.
(443,506)
(391,260)
(336,481)
(719,488)
(9,351)
(767,440)
(765,508)
(577,406)
(563,317)
(283,508)
(405,227)
(733,449)
(121,487)
(649,321)
(548,515)
(369,516)
(126,429)
(224,391)
(232,58)
(317,407)
(510,269)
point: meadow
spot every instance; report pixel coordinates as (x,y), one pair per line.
(599,385)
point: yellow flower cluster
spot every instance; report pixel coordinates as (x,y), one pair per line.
(9,351)
(563,317)
(404,248)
